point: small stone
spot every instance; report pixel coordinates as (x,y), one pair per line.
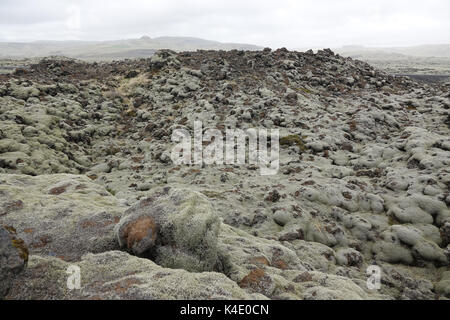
(350,81)
(30,131)
(273,196)
(224,177)
(282,218)
(101,168)
(144,186)
(349,257)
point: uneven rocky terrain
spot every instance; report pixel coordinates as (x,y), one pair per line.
(86,179)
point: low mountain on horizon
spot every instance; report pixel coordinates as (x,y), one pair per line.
(116,49)
(430,50)
(422,59)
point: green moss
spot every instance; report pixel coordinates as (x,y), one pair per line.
(305,90)
(19,244)
(130,113)
(213,194)
(293,140)
(11,230)
(392,221)
(196,229)
(111,191)
(112,151)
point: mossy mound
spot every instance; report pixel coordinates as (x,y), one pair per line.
(175,228)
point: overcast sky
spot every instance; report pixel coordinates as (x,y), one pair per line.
(275,23)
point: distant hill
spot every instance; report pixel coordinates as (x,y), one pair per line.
(436,50)
(118,49)
(424,59)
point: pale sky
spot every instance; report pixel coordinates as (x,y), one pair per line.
(276,23)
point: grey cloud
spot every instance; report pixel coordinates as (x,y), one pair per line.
(290,23)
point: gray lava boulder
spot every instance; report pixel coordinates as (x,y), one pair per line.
(163,58)
(116,275)
(176,228)
(13,258)
(64,216)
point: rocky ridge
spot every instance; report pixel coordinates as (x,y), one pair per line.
(363,180)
